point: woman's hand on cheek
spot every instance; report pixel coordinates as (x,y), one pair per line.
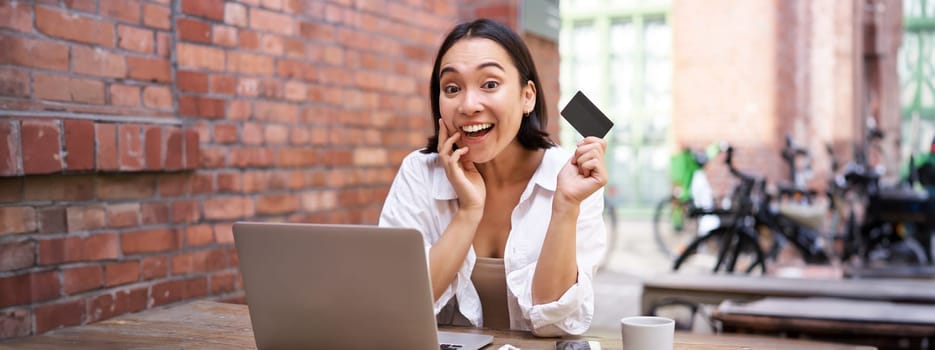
(584,173)
(460,171)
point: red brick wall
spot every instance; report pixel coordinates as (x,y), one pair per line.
(133,133)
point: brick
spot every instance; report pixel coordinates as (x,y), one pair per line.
(249,63)
(276,204)
(89,6)
(149,241)
(106,135)
(155,213)
(80,279)
(199,261)
(154,267)
(185,211)
(194,30)
(222,84)
(153,148)
(15,322)
(238,110)
(192,149)
(198,56)
(41,146)
(270,21)
(136,39)
(163,44)
(272,44)
(17,16)
(98,62)
(61,314)
(202,183)
(235,14)
(221,208)
(275,112)
(213,9)
(117,303)
(292,157)
(120,273)
(18,255)
(33,53)
(317,31)
(61,88)
(131,186)
(53,187)
(79,144)
(85,218)
(174,142)
(52,220)
(191,81)
(251,157)
(131,146)
(225,133)
(225,282)
(28,288)
(224,35)
(295,91)
(156,16)
(173,185)
(124,10)
(199,235)
(124,95)
(248,39)
(75,28)
(14,83)
(205,107)
(75,249)
(224,234)
(10,156)
(229,182)
(271,4)
(123,215)
(158,97)
(149,69)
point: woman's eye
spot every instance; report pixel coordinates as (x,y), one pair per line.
(491,85)
(450,89)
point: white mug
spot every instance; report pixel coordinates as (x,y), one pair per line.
(647,333)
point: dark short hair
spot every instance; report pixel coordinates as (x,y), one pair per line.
(532,133)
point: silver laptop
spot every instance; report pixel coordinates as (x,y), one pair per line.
(340,287)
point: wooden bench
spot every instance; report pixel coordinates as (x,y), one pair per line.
(714,289)
(884,324)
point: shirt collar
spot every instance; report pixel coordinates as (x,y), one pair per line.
(545,176)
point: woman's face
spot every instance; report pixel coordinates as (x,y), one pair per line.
(482,97)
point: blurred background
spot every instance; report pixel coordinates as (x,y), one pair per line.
(133,133)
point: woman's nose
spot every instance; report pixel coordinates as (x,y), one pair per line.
(471,102)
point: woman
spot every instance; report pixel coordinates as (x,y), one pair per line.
(512,225)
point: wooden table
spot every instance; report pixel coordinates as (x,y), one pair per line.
(212,325)
(714,289)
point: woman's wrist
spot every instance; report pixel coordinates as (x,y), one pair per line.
(562,203)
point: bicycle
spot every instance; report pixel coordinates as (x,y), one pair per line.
(673,226)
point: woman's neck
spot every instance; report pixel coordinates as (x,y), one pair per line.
(512,166)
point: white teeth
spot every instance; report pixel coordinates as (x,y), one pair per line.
(475,127)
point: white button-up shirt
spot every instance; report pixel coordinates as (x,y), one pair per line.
(421,197)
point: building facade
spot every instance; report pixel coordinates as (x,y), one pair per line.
(133,133)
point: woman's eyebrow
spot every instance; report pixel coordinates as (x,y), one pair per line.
(479,67)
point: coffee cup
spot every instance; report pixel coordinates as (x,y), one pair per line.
(647,333)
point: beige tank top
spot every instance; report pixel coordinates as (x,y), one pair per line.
(489,278)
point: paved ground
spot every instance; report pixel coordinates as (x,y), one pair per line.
(618,284)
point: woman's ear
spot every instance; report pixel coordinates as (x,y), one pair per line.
(529,97)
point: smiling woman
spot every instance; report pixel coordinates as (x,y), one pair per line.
(512,225)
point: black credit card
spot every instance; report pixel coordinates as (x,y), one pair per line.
(585,117)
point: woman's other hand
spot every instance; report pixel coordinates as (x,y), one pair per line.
(460,171)
(584,173)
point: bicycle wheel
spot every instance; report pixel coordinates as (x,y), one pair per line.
(722,250)
(673,229)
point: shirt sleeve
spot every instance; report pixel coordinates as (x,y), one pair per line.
(573,312)
(409,204)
